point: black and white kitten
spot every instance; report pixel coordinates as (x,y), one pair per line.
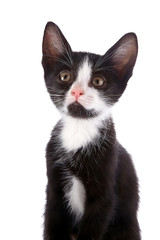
(92,191)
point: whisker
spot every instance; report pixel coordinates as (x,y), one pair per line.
(56,95)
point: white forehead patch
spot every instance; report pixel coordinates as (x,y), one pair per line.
(84,73)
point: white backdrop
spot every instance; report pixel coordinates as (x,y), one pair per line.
(27,114)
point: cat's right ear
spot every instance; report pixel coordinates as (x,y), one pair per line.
(54,43)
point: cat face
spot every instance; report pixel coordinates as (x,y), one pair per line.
(85,85)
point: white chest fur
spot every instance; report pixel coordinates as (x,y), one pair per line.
(77,133)
(75,197)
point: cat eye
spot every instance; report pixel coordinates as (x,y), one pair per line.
(65,76)
(98,81)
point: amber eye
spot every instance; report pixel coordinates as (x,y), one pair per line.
(98,81)
(65,76)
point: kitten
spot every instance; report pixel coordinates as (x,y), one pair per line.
(92,191)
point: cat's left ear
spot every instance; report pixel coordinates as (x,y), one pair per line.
(122,56)
(54,43)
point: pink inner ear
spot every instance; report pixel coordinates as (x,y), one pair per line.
(125,54)
(52,43)
(56,42)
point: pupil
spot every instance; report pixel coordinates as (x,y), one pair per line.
(97,81)
(64,77)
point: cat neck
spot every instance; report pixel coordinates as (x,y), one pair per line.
(77,132)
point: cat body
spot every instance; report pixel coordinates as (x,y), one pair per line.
(92,190)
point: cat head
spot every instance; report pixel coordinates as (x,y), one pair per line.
(86,85)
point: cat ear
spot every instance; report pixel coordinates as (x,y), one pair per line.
(54,42)
(122,56)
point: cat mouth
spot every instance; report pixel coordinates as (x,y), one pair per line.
(78,111)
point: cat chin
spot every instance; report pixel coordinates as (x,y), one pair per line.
(76,110)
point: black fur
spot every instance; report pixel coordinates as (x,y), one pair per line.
(103,166)
(77,110)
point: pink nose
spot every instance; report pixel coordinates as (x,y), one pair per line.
(77,93)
